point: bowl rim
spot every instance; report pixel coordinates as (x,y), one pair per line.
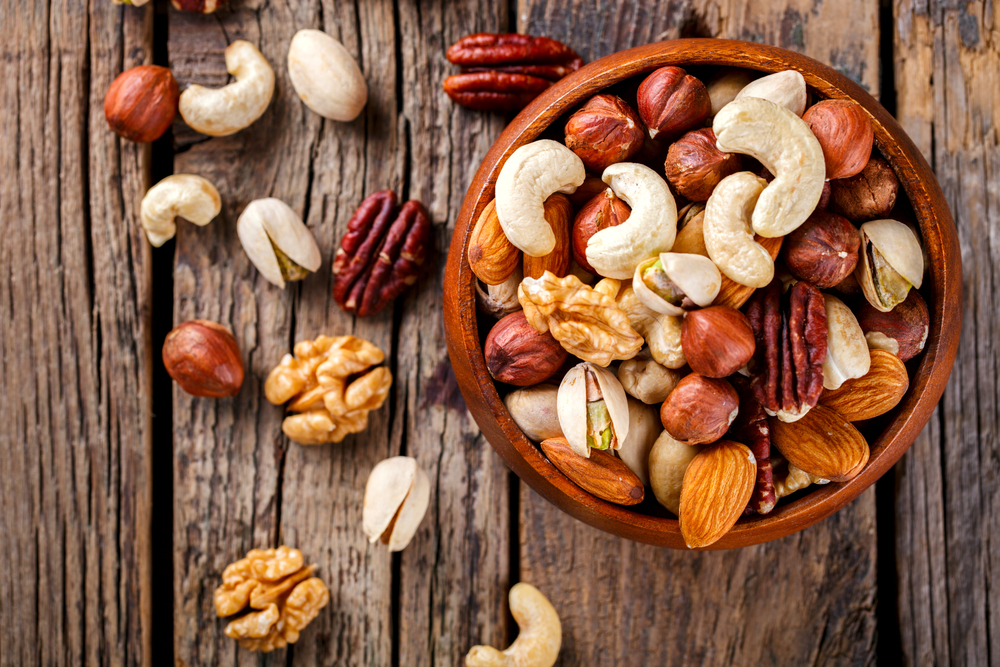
(943,282)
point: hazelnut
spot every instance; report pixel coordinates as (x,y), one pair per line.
(824,196)
(591,187)
(717,341)
(516,353)
(823,251)
(700,410)
(204,359)
(694,164)
(604,131)
(867,196)
(845,133)
(603,211)
(141,103)
(902,331)
(671,102)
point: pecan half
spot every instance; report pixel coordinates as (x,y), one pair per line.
(505,72)
(751,429)
(791,346)
(381,253)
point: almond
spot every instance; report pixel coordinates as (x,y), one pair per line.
(873,394)
(491,256)
(822,443)
(717,486)
(602,475)
(559,215)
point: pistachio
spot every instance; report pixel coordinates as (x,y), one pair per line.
(891,263)
(277,241)
(674,283)
(592,409)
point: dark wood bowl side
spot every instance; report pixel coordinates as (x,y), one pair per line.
(944,282)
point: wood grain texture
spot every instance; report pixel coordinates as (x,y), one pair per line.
(948,505)
(76,368)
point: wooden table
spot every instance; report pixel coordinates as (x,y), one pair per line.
(122,498)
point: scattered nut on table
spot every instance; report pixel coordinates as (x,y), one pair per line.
(277,241)
(282,591)
(181,195)
(141,103)
(202,357)
(539,639)
(396,498)
(331,385)
(197,6)
(325,76)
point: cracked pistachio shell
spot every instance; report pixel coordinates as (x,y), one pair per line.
(900,247)
(571,405)
(847,355)
(396,498)
(644,428)
(270,220)
(697,276)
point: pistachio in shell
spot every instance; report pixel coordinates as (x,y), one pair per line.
(675,282)
(591,397)
(891,262)
(396,498)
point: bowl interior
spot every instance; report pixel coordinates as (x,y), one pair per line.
(929,371)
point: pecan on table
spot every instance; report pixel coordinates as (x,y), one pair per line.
(790,329)
(751,429)
(506,72)
(381,253)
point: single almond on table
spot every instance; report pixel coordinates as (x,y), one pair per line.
(717,486)
(559,215)
(822,443)
(602,475)
(873,394)
(492,257)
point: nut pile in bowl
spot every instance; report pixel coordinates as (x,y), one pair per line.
(699,290)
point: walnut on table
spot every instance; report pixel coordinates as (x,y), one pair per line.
(282,590)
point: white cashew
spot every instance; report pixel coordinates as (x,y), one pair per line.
(326,76)
(538,642)
(531,175)
(186,195)
(847,355)
(726,230)
(219,112)
(661,332)
(668,461)
(396,497)
(267,224)
(787,89)
(649,230)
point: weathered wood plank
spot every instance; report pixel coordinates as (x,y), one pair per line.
(808,598)
(75,339)
(948,100)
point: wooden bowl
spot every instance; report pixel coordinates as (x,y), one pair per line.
(942,291)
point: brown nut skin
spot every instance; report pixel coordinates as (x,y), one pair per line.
(603,211)
(694,166)
(823,250)
(845,133)
(902,331)
(604,131)
(671,102)
(516,353)
(602,474)
(700,409)
(717,341)
(141,103)
(204,359)
(559,215)
(870,195)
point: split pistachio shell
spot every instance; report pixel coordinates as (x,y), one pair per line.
(644,428)
(668,461)
(650,229)
(695,275)
(900,248)
(534,411)
(728,236)
(785,145)
(847,355)
(271,221)
(396,498)
(571,405)
(787,89)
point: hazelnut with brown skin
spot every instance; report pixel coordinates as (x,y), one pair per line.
(845,133)
(518,354)
(694,164)
(870,195)
(141,103)
(603,211)
(671,102)
(902,331)
(604,131)
(717,341)
(699,410)
(823,251)
(204,359)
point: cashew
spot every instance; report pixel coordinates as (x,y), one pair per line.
(726,230)
(662,332)
(668,461)
(534,411)
(643,430)
(190,197)
(786,146)
(538,642)
(787,89)
(847,355)
(219,112)
(277,241)
(326,76)
(649,230)
(529,176)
